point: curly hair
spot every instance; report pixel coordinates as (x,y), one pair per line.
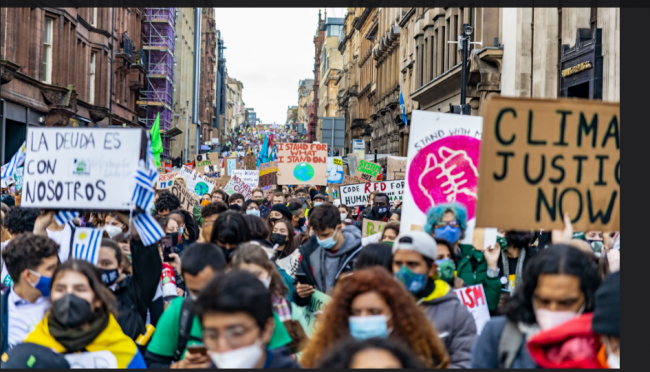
(436,212)
(167,201)
(19,220)
(27,251)
(410,325)
(191,226)
(342,355)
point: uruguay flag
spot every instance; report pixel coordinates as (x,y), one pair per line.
(86,243)
(16,161)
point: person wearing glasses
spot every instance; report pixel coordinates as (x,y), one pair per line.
(448,222)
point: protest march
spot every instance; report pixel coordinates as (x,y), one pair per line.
(111,260)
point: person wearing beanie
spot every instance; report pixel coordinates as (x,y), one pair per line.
(318,199)
(279,211)
(607,321)
(414,265)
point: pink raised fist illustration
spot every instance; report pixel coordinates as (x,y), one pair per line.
(446,171)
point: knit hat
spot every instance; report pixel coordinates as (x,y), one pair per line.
(286,213)
(417,241)
(318,196)
(607,313)
(30,355)
(312,192)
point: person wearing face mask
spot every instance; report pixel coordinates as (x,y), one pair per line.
(134,293)
(187,227)
(297,216)
(286,255)
(82,317)
(446,265)
(607,321)
(258,196)
(230,229)
(558,285)
(327,254)
(449,222)
(303,196)
(113,226)
(238,323)
(251,258)
(414,266)
(380,210)
(18,221)
(371,304)
(514,258)
(366,208)
(251,208)
(279,211)
(31,261)
(318,199)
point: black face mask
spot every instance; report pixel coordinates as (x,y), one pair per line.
(520,239)
(301,221)
(380,211)
(71,311)
(272,221)
(227,253)
(278,239)
(109,276)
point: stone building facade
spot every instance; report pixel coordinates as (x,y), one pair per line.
(207,87)
(305,98)
(331,63)
(235,107)
(68,67)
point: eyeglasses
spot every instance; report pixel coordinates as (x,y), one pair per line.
(235,335)
(453,223)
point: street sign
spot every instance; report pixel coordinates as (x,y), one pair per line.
(334,132)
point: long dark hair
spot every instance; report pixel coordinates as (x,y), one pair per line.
(190,224)
(341,355)
(556,259)
(231,228)
(94,276)
(290,246)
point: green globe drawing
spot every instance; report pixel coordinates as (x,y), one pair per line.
(303,172)
(201,188)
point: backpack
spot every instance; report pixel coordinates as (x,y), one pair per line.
(184,327)
(509,344)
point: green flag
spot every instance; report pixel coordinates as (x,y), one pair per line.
(156,141)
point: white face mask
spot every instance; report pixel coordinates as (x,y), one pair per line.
(344,216)
(547,319)
(266,281)
(112,230)
(244,357)
(613,360)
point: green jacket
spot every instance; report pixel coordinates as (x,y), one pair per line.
(197,215)
(492,286)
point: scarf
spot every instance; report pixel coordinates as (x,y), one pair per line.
(77,339)
(518,270)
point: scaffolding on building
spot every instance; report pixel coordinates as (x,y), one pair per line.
(158,37)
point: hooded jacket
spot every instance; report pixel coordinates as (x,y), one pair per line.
(570,345)
(323,267)
(455,325)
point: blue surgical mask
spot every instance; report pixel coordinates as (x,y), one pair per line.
(329,242)
(254,212)
(448,233)
(43,284)
(317,204)
(365,327)
(412,281)
(180,230)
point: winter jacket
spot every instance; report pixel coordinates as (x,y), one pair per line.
(485,352)
(455,325)
(570,345)
(314,258)
(136,292)
(4,311)
(464,270)
(277,359)
(371,216)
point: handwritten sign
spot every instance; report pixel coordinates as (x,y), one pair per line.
(268,175)
(300,163)
(544,158)
(250,177)
(18,177)
(166,180)
(207,163)
(371,227)
(367,171)
(353,195)
(81,168)
(307,315)
(349,180)
(231,165)
(250,162)
(188,199)
(334,170)
(237,185)
(395,164)
(473,298)
(196,183)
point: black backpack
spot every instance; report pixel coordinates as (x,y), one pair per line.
(184,327)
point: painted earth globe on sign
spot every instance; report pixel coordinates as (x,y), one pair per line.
(201,188)
(303,172)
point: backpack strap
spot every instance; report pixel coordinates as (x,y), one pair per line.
(509,344)
(184,327)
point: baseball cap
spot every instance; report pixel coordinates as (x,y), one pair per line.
(29,355)
(319,196)
(417,241)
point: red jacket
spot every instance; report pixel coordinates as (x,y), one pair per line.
(570,345)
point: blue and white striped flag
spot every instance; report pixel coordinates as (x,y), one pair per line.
(16,161)
(86,243)
(63,217)
(148,228)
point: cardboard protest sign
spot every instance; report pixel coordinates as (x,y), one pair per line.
(395,164)
(250,177)
(353,195)
(237,185)
(349,180)
(81,168)
(223,181)
(250,162)
(473,298)
(166,180)
(307,315)
(188,199)
(196,183)
(268,175)
(367,171)
(353,162)
(207,163)
(371,227)
(442,166)
(334,169)
(544,158)
(231,165)
(300,163)
(18,177)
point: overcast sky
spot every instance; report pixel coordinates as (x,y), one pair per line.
(269,50)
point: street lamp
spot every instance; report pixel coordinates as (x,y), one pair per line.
(463,47)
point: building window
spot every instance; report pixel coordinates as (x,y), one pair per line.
(93,19)
(93,62)
(47,50)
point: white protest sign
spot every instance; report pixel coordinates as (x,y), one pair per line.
(81,168)
(196,183)
(442,166)
(92,360)
(237,185)
(473,298)
(353,195)
(166,180)
(250,177)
